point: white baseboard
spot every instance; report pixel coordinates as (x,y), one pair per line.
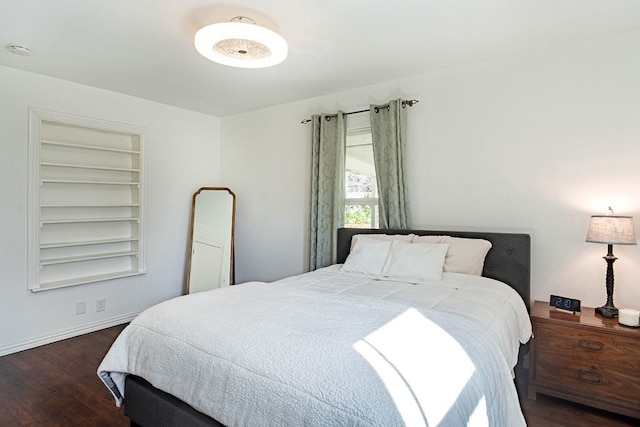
(69,333)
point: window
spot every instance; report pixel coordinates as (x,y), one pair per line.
(85,200)
(361,188)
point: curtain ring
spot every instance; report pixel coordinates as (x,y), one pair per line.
(327,118)
(375,109)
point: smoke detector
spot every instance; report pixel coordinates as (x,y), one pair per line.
(20,50)
(241,43)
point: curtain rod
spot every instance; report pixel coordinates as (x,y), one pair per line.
(409,102)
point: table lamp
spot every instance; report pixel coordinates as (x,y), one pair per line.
(612,230)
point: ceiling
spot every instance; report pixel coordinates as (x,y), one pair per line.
(145,48)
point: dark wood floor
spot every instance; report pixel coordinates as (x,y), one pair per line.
(548,411)
(56,385)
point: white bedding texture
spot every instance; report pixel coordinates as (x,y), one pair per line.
(328,348)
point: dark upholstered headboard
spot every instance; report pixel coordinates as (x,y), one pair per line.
(508,260)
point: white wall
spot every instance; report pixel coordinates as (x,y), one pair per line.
(532,143)
(182,154)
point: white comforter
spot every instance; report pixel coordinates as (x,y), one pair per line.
(330,349)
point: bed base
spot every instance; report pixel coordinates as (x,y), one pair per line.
(146,405)
(508,261)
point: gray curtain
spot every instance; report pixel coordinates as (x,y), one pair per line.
(327,187)
(388,133)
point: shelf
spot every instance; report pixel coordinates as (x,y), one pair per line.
(73,181)
(87,147)
(88,279)
(78,205)
(99,168)
(86,220)
(87,243)
(80,258)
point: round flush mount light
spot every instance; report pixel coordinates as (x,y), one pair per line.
(18,49)
(241,43)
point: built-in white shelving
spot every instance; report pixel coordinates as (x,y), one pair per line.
(86,200)
(64,165)
(87,147)
(87,242)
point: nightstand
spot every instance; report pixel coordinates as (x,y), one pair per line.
(585,358)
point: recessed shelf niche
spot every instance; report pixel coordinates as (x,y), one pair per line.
(85,200)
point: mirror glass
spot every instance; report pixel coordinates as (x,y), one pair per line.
(210,256)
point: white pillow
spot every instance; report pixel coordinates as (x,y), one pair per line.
(401,237)
(415,262)
(464,255)
(368,256)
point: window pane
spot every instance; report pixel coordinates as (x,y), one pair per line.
(361,192)
(361,216)
(360,186)
(360,170)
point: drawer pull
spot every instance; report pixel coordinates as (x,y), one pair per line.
(589,377)
(589,345)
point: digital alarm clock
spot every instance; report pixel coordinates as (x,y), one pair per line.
(564,303)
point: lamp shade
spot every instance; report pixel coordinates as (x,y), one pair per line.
(612,230)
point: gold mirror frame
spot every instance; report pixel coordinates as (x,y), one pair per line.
(214,215)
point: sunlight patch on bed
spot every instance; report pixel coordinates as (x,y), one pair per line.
(479,415)
(424,377)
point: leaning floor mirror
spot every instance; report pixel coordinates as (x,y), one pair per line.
(210,262)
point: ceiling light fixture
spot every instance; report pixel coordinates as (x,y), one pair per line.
(241,43)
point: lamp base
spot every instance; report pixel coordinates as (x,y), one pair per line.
(607,312)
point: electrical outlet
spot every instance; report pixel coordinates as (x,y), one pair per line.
(81,307)
(101,304)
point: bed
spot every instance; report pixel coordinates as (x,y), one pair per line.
(419,351)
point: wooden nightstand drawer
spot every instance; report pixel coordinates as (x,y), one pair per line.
(589,346)
(592,380)
(587,359)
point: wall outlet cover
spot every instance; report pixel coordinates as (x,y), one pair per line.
(81,307)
